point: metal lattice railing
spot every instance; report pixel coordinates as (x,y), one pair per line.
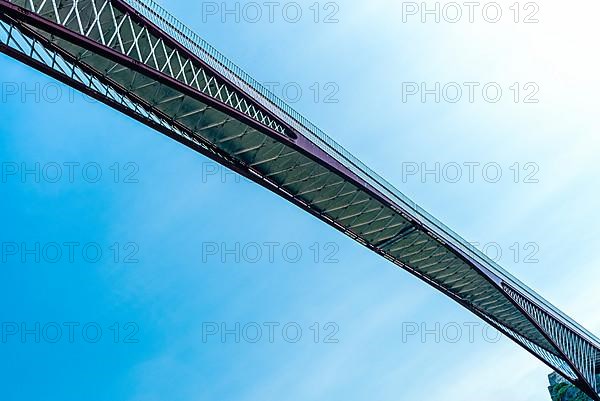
(570,349)
(202,49)
(580,352)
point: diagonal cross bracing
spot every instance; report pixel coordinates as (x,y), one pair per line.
(136,58)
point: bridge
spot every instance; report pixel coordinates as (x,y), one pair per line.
(135,57)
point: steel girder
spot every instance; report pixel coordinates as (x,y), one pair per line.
(136,58)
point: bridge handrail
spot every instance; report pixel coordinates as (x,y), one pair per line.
(206,52)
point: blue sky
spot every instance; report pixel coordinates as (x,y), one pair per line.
(165,209)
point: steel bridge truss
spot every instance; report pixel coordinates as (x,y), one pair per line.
(139,60)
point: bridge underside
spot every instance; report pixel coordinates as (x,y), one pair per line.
(114,51)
